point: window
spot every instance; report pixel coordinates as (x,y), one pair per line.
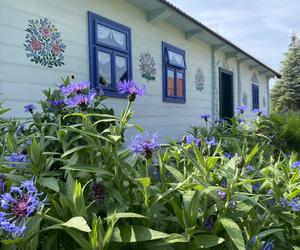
(255,96)
(173,61)
(110,53)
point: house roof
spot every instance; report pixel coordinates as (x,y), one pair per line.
(158,10)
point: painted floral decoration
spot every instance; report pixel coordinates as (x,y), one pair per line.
(199,80)
(44,44)
(147,66)
(245,98)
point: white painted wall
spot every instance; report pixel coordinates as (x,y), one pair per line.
(21,81)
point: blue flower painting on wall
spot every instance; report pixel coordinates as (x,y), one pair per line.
(44,44)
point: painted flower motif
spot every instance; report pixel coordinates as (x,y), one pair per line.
(29,108)
(241,109)
(211,141)
(36,45)
(80,100)
(296,164)
(205,116)
(18,205)
(189,139)
(145,144)
(18,158)
(131,88)
(43,43)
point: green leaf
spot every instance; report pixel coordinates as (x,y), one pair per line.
(127,233)
(206,241)
(126,215)
(176,173)
(144,181)
(77,223)
(73,150)
(268,232)
(49,182)
(234,232)
(88,168)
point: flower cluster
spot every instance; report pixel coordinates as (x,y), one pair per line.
(189,139)
(222,194)
(131,89)
(145,144)
(295,205)
(18,158)
(18,205)
(76,94)
(29,108)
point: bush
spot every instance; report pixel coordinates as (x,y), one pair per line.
(69,182)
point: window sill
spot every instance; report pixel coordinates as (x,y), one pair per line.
(174,100)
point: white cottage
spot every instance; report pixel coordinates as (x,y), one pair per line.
(187,68)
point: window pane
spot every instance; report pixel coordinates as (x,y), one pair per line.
(176,59)
(170,83)
(104,62)
(121,69)
(179,82)
(111,37)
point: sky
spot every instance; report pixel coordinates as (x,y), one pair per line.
(261,27)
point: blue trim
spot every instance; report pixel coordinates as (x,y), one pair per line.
(176,69)
(255,96)
(95,46)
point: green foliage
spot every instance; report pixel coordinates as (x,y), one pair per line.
(102,196)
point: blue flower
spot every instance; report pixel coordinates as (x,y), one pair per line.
(130,88)
(268,245)
(80,100)
(18,205)
(189,139)
(256,186)
(295,204)
(20,129)
(209,223)
(249,168)
(241,109)
(57,103)
(222,194)
(16,157)
(296,164)
(205,116)
(228,155)
(75,88)
(211,141)
(145,144)
(233,204)
(29,108)
(220,121)
(283,202)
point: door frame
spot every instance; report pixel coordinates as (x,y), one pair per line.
(229,72)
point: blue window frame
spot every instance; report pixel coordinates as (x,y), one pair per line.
(109,52)
(255,96)
(173,71)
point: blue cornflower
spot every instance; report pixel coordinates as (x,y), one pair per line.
(29,108)
(209,223)
(145,144)
(228,155)
(205,116)
(295,204)
(249,168)
(220,121)
(18,205)
(131,88)
(16,157)
(256,186)
(296,164)
(283,202)
(222,194)
(80,100)
(241,109)
(2,183)
(258,112)
(223,183)
(211,141)
(57,103)
(189,139)
(75,88)
(20,129)
(268,245)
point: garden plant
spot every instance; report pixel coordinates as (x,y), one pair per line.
(72,179)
